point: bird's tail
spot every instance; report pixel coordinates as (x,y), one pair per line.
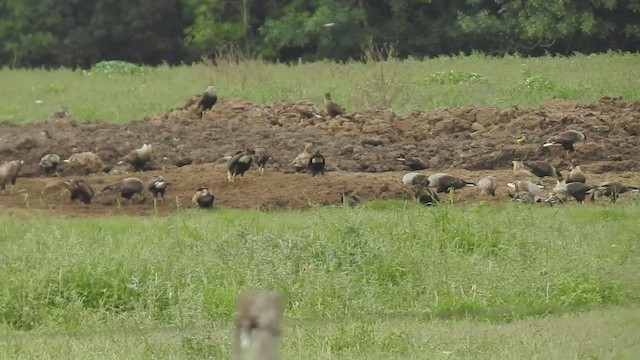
(551,144)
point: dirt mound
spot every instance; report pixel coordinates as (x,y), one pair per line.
(366,141)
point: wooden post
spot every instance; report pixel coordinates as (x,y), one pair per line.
(257,325)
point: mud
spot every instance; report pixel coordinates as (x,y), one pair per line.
(361,150)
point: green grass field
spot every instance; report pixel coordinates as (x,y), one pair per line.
(386,281)
(398,85)
(390,280)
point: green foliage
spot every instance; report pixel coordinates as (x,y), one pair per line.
(454,77)
(112,67)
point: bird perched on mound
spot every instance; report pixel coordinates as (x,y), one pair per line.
(301,162)
(202,198)
(260,159)
(488,186)
(239,163)
(612,189)
(87,162)
(138,158)
(333,108)
(542,169)
(444,183)
(566,139)
(576,175)
(79,190)
(157,185)
(126,188)
(316,164)
(412,162)
(207,100)
(518,187)
(9,173)
(415,179)
(49,163)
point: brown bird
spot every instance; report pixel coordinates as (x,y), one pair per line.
(207,100)
(260,159)
(126,188)
(563,190)
(49,163)
(87,162)
(576,175)
(412,162)
(488,186)
(542,169)
(79,190)
(138,158)
(612,189)
(444,183)
(203,198)
(9,173)
(316,164)
(518,188)
(301,162)
(333,108)
(566,139)
(239,164)
(425,196)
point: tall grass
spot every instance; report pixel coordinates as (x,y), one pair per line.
(31,95)
(348,275)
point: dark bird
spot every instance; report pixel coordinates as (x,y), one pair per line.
(126,188)
(239,163)
(576,175)
(566,139)
(301,162)
(79,190)
(207,100)
(203,198)
(542,169)
(612,189)
(9,173)
(444,183)
(412,162)
(563,190)
(426,196)
(488,186)
(260,159)
(333,108)
(138,158)
(316,164)
(49,163)
(350,198)
(157,185)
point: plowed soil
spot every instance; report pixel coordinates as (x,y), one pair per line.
(361,150)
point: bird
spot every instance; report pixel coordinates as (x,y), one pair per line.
(415,179)
(260,159)
(157,185)
(412,162)
(488,185)
(444,183)
(576,175)
(566,139)
(542,169)
(612,189)
(333,108)
(521,139)
(138,158)
(49,163)
(301,162)
(425,196)
(316,164)
(562,191)
(523,186)
(350,198)
(126,187)
(79,190)
(203,198)
(207,100)
(9,172)
(239,163)
(87,162)
(521,173)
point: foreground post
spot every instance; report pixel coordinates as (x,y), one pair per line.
(257,325)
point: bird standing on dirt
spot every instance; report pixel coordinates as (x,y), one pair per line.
(126,188)
(239,164)
(316,164)
(518,189)
(576,175)
(207,100)
(301,162)
(203,198)
(412,162)
(260,159)
(138,158)
(157,185)
(333,108)
(49,163)
(488,186)
(79,190)
(612,189)
(542,169)
(566,139)
(520,140)
(9,173)
(444,183)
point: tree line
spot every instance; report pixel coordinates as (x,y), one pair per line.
(79,33)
